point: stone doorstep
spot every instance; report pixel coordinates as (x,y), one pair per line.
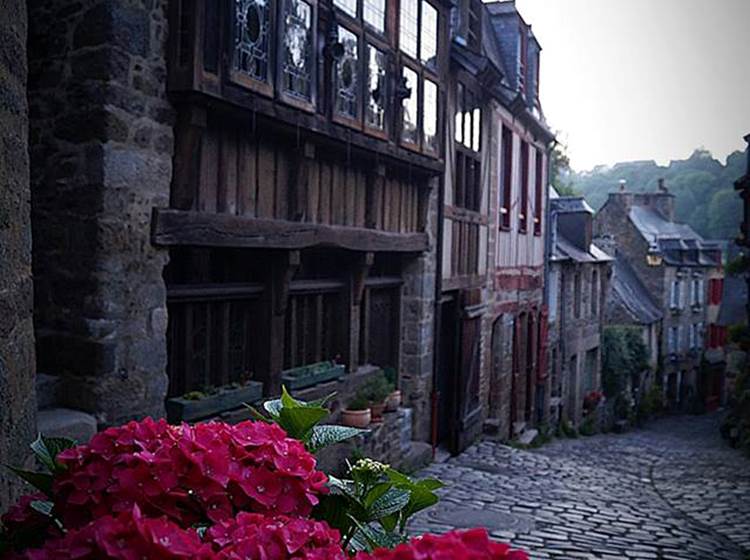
(527,437)
(64,422)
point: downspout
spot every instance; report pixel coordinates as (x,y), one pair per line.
(435,396)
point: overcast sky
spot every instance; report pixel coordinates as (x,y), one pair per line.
(644,79)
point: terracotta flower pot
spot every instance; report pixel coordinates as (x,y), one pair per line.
(393,401)
(377,411)
(356,418)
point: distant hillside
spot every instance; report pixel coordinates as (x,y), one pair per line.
(703,186)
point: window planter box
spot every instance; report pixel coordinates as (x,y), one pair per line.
(195,406)
(307,376)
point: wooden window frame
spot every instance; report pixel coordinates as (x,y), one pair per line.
(424,72)
(282,94)
(523,195)
(538,189)
(506,178)
(466,154)
(382,41)
(240,78)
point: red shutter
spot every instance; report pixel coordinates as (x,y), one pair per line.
(543,345)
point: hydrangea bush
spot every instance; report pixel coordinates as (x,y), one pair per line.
(227,492)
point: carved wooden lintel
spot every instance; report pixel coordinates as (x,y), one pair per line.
(359,276)
(283,272)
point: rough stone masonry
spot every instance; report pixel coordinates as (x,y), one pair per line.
(101,151)
(17,400)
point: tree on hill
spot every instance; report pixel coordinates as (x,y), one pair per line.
(702,185)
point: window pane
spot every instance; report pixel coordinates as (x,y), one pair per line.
(376,92)
(348,6)
(298,50)
(467,105)
(374,13)
(409,123)
(251,26)
(477,128)
(429,32)
(408,27)
(460,113)
(347,83)
(430,121)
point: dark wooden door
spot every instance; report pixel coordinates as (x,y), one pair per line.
(447,366)
(469,417)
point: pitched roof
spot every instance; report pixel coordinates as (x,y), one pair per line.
(678,243)
(565,250)
(629,292)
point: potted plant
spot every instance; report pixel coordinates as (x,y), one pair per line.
(376,390)
(357,414)
(393,400)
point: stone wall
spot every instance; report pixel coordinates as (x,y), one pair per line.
(17,395)
(101,149)
(418,328)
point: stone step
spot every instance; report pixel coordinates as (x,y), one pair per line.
(527,437)
(418,457)
(64,422)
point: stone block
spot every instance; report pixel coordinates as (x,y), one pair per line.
(47,390)
(64,422)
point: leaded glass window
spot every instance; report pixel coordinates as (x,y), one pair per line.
(252,21)
(409,26)
(347,79)
(347,6)
(410,122)
(374,14)
(428,34)
(376,94)
(430,116)
(297,61)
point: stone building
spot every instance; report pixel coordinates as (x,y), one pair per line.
(577,291)
(17,397)
(492,220)
(631,304)
(220,192)
(674,264)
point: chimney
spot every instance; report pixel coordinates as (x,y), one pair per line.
(747,151)
(662,187)
(663,200)
(623,183)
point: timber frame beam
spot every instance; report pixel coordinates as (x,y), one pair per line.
(181,227)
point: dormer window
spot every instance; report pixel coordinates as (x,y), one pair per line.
(523,57)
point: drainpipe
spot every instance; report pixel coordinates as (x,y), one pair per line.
(435,396)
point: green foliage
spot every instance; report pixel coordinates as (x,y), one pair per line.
(301,420)
(359,402)
(739,266)
(376,389)
(568,430)
(652,402)
(704,188)
(371,508)
(588,426)
(624,356)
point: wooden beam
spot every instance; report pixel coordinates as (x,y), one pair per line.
(202,229)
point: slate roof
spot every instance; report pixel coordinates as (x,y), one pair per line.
(629,292)
(679,244)
(565,250)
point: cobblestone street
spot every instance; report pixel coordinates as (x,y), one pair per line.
(673,490)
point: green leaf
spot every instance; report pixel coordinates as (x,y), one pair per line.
(255,413)
(323,436)
(324,401)
(299,422)
(40,481)
(43,507)
(376,492)
(389,522)
(273,407)
(333,509)
(375,537)
(287,401)
(392,501)
(47,448)
(341,486)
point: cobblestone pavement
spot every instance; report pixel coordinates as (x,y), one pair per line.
(670,491)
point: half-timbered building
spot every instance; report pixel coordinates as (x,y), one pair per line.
(492,220)
(306,153)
